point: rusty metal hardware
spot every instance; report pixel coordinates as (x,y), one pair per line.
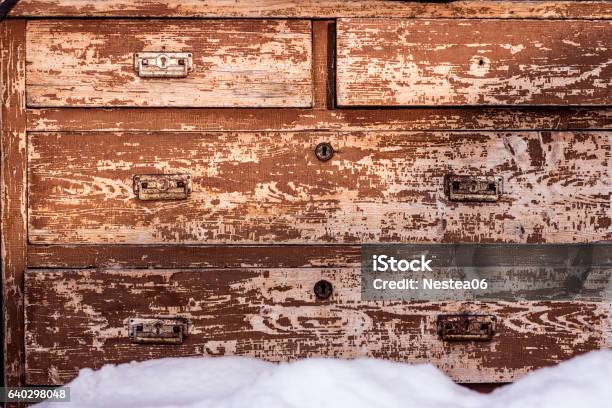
(324,151)
(157,330)
(466,327)
(323,289)
(149,187)
(163,64)
(473,188)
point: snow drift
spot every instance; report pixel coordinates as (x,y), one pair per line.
(225,382)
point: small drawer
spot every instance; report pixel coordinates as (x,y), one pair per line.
(318,188)
(174,63)
(408,62)
(88,318)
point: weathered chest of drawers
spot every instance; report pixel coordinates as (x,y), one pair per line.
(178,178)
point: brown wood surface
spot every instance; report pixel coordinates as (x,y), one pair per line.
(12,202)
(265,187)
(273,314)
(237,63)
(268,187)
(193,256)
(323,37)
(391,62)
(316,8)
(198,120)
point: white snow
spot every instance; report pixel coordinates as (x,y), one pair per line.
(224,382)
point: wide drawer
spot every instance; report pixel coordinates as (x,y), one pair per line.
(270,187)
(80,318)
(235,63)
(391,62)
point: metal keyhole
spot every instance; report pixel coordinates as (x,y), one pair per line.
(323,289)
(324,151)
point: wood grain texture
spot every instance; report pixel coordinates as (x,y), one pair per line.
(323,40)
(12,202)
(273,314)
(192,256)
(390,62)
(315,8)
(237,63)
(267,187)
(199,120)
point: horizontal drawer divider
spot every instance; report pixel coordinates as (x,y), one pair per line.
(210,119)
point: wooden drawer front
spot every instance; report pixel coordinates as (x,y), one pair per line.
(241,63)
(78,318)
(390,62)
(270,188)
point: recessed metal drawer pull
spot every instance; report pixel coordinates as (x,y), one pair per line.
(157,330)
(473,188)
(150,187)
(466,327)
(163,64)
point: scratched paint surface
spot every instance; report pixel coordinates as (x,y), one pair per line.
(315,8)
(266,187)
(473,62)
(251,63)
(273,314)
(13,194)
(185,119)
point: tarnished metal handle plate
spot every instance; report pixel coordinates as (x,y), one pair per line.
(466,327)
(163,64)
(151,187)
(157,330)
(473,188)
